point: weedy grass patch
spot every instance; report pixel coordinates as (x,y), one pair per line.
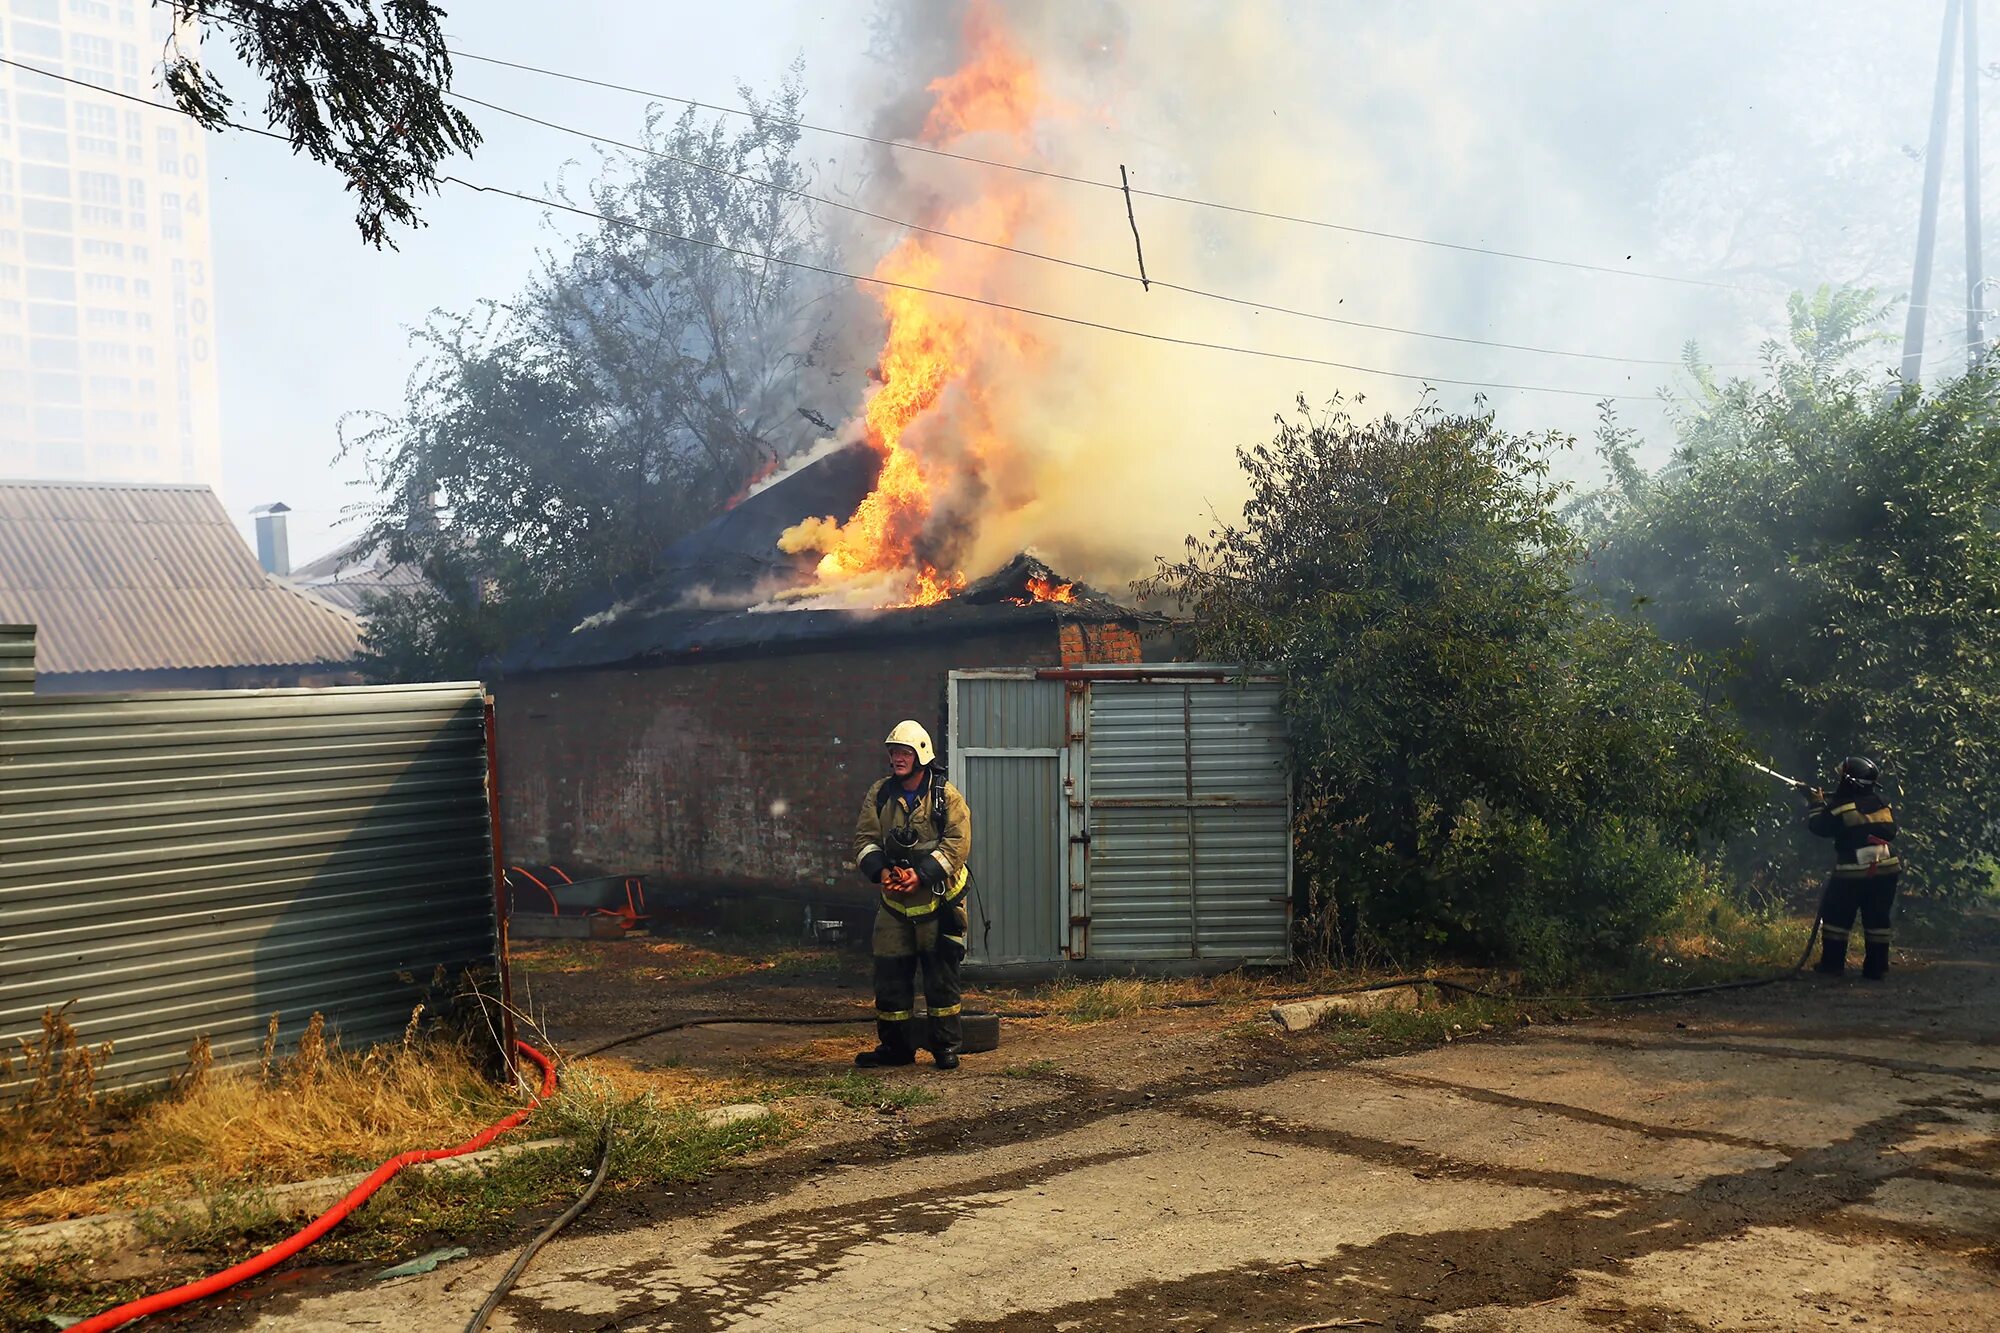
(860,1092)
(316,1111)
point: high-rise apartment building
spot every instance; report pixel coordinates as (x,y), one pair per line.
(107,345)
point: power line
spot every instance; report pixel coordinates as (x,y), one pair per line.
(1119,274)
(1025,310)
(1191,201)
(142,101)
(904,286)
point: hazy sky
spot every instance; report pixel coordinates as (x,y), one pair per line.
(1694,138)
(313,322)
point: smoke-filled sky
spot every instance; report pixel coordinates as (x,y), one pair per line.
(1761,147)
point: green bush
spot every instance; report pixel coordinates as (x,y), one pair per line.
(1487,760)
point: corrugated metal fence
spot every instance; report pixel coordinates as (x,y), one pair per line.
(1125,814)
(184,865)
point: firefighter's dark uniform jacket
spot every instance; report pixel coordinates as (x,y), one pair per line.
(1863,829)
(1866,870)
(925,926)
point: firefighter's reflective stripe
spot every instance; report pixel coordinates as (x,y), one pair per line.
(1853,818)
(865,852)
(946,1010)
(1834,932)
(944,863)
(959,940)
(895,1015)
(1877,935)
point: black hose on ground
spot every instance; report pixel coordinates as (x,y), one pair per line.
(1390,983)
(520,1265)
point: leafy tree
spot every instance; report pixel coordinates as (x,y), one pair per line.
(1842,546)
(636,386)
(1485,760)
(358,85)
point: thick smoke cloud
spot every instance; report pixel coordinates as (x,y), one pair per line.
(1594,133)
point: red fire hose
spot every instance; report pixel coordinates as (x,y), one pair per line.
(325,1222)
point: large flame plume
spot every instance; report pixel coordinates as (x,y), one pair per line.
(889,549)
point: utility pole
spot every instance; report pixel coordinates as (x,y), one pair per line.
(1920,281)
(1975,282)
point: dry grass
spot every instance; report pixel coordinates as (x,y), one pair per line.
(673,1087)
(50,1131)
(316,1112)
(1101,1001)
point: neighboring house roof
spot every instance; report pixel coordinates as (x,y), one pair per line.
(120,577)
(357,574)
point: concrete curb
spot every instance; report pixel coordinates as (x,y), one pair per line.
(1304,1014)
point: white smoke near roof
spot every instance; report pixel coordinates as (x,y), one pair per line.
(1571,130)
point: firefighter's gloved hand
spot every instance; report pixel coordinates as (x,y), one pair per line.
(906,880)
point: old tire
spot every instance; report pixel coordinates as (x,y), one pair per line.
(982,1032)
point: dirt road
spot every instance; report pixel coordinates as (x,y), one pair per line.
(1805,1157)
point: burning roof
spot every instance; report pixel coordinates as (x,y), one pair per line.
(715,591)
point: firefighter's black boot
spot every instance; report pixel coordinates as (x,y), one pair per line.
(1875,963)
(1833,953)
(885,1057)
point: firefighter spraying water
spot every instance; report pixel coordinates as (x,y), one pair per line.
(1866,868)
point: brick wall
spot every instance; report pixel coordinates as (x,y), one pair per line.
(745,772)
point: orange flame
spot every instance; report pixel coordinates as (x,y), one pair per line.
(929,347)
(1048,590)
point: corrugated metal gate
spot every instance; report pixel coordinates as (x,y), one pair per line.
(1136,814)
(190,864)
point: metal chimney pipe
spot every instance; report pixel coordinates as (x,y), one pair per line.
(274,549)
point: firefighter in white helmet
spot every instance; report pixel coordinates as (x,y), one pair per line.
(911,841)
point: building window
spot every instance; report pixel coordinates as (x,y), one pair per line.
(45,215)
(96,130)
(50,113)
(52,182)
(32,39)
(104,249)
(104,284)
(44,146)
(142,289)
(97,187)
(96,10)
(106,319)
(90,52)
(52,284)
(170,216)
(99,215)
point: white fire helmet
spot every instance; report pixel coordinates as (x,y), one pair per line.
(913,735)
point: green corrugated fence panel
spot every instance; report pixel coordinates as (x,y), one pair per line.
(175,866)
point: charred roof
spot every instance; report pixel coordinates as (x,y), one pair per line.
(701,602)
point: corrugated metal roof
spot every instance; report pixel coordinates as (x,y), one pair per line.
(357,575)
(147,578)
